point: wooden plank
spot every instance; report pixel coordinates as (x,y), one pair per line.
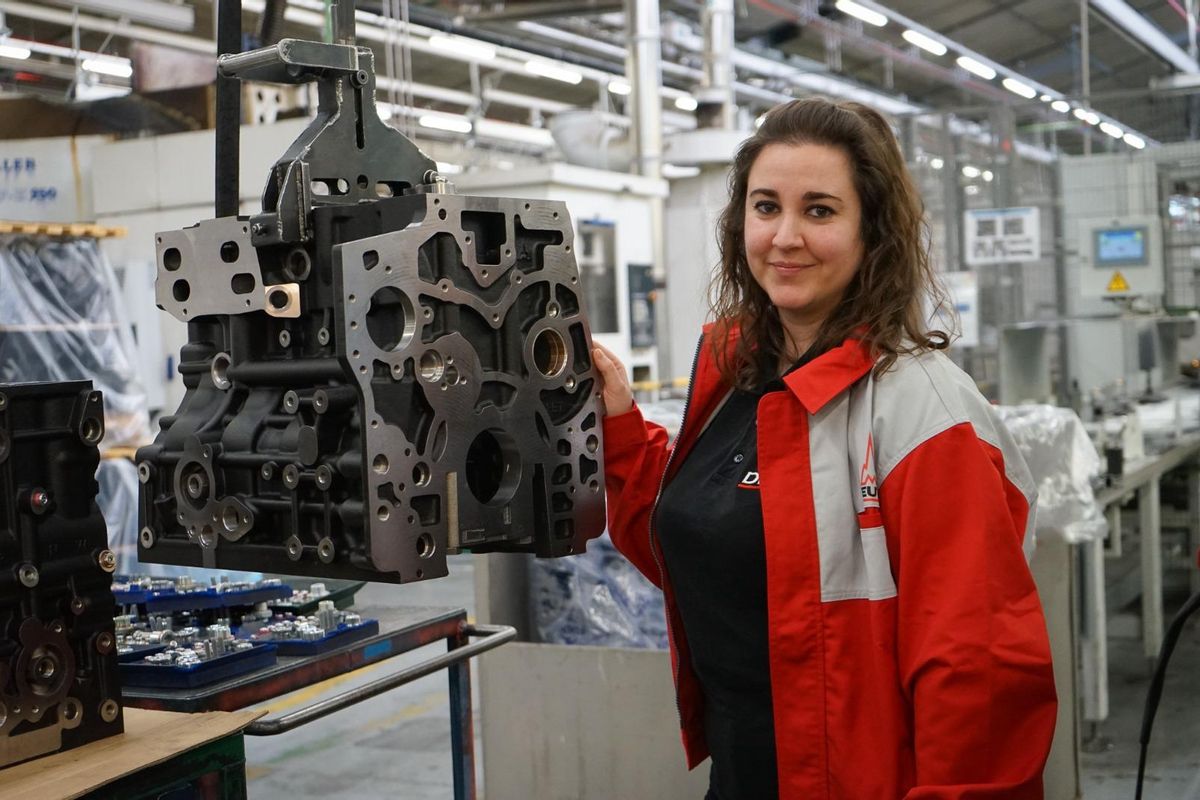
(151,737)
(69,229)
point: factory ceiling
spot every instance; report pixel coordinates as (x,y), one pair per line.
(1036,41)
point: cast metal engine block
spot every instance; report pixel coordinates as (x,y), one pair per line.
(59,686)
(378,371)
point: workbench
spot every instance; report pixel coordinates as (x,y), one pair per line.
(159,752)
(1142,478)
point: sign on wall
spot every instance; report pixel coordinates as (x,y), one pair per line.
(1001,235)
(42,180)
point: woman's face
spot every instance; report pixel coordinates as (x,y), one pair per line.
(802,232)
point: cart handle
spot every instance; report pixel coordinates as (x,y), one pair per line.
(494,636)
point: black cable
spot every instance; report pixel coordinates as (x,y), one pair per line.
(1154,694)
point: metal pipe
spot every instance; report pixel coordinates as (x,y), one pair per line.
(1085,75)
(229,111)
(643,72)
(717,91)
(496,635)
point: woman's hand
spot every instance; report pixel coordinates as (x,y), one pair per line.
(616,392)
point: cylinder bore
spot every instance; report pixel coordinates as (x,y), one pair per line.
(432,366)
(493,467)
(425,546)
(549,353)
(391,319)
(219,371)
(420,474)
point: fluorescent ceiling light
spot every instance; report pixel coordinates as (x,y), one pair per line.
(445,122)
(464,46)
(677,171)
(549,70)
(976,68)
(620,87)
(971,189)
(686,103)
(987,175)
(1045,98)
(13,51)
(1111,130)
(1090,117)
(525,135)
(1016,87)
(1061,106)
(447,168)
(924,42)
(936,163)
(867,15)
(86,92)
(1134,141)
(118,68)
(970,172)
(174,16)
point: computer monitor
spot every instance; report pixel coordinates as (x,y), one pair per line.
(1126,246)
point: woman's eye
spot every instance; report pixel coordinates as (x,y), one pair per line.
(765,207)
(821,212)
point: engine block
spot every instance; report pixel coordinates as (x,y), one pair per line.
(59,685)
(378,372)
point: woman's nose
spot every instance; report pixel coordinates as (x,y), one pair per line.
(789,234)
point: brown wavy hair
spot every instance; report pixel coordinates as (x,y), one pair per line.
(886,302)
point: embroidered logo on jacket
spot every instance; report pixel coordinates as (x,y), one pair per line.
(866,476)
(750,481)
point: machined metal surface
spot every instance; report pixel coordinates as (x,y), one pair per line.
(58,664)
(379,372)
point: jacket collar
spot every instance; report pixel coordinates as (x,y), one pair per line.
(814,384)
(829,374)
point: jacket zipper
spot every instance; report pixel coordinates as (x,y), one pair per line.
(662,481)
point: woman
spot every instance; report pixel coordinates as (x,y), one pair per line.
(838,528)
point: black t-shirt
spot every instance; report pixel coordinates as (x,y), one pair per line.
(709,523)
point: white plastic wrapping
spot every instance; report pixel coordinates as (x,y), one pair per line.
(62,319)
(1063,461)
(597,598)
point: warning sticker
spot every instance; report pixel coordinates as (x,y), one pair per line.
(1117,283)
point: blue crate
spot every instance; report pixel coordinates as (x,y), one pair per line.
(174,676)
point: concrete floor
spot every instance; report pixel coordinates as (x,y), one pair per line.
(398,745)
(1109,762)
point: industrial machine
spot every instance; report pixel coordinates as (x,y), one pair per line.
(58,661)
(1120,256)
(379,371)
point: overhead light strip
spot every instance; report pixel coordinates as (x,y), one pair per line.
(986,69)
(14,51)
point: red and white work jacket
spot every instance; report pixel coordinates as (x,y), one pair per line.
(908,649)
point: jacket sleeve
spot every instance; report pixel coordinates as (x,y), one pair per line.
(974,657)
(635,455)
